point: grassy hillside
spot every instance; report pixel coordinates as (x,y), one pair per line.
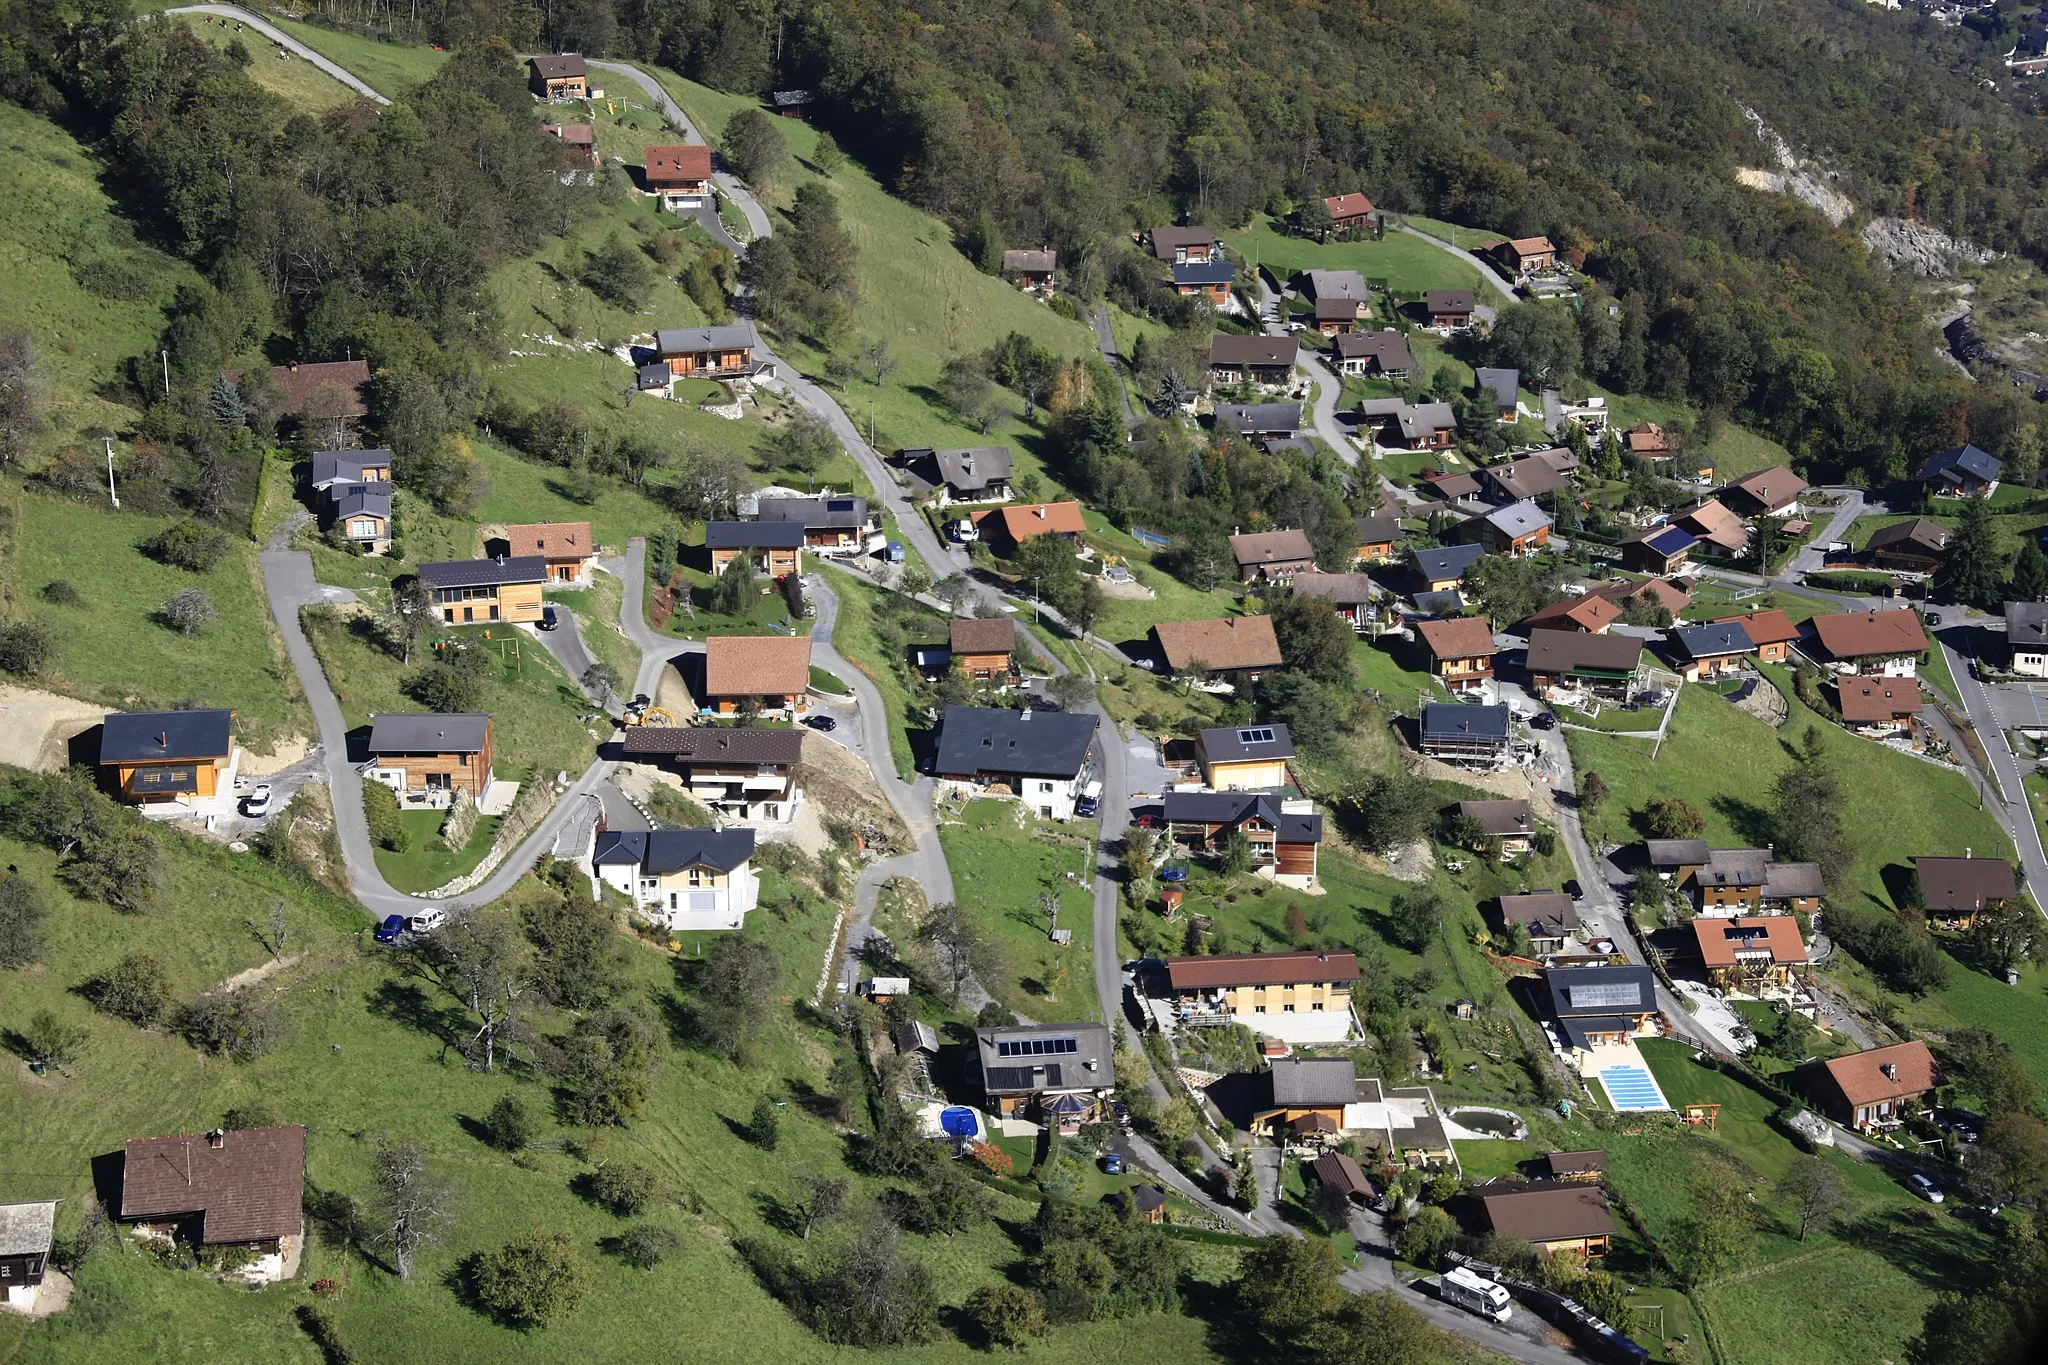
(285,74)
(72,273)
(390,69)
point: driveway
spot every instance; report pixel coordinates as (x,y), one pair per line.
(1813,557)
(756,216)
(286,41)
(565,643)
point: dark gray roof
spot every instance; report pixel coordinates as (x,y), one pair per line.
(842,513)
(917,1036)
(1448,602)
(1165,239)
(1550,911)
(1237,349)
(1949,464)
(1663,853)
(1389,348)
(671,850)
(26,1229)
(1333,284)
(2026,623)
(977,467)
(1450,300)
(1280,445)
(479,573)
(713,744)
(1452,720)
(1234,808)
(1785,880)
(1341,589)
(347,466)
(1602,991)
(354,499)
(428,732)
(1447,561)
(166,736)
(687,340)
(554,66)
(753,535)
(1733,867)
(1518,519)
(1711,638)
(1215,271)
(1919,533)
(1372,530)
(1028,1058)
(1505,817)
(1259,418)
(1302,1082)
(1501,383)
(978,739)
(1239,743)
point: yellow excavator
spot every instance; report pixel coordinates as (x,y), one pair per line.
(641,711)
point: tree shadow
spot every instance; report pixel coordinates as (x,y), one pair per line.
(1901,884)
(583,495)
(403,1002)
(819,1104)
(783,1217)
(1753,824)
(336,1220)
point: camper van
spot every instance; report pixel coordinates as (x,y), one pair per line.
(1475,1295)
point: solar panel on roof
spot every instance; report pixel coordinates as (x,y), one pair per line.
(1037,1047)
(1258,736)
(1602,994)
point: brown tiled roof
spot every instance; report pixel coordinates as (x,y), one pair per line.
(1343,589)
(1269,547)
(1260,969)
(576,134)
(1647,438)
(1539,909)
(1166,239)
(1233,642)
(1232,348)
(1340,1172)
(552,540)
(1962,885)
(1348,205)
(970,636)
(555,65)
(1584,613)
(757,665)
(1773,487)
(1656,592)
(249,1189)
(1866,701)
(1450,300)
(1861,1079)
(1550,1215)
(1530,245)
(1715,522)
(1919,533)
(1500,817)
(1765,627)
(1460,637)
(1577,1163)
(1022,521)
(1560,651)
(1030,261)
(1720,938)
(668,164)
(716,743)
(297,384)
(1857,634)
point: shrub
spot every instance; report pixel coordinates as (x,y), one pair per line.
(62,594)
(531,1280)
(136,989)
(646,1245)
(26,647)
(623,1187)
(51,1041)
(240,1024)
(187,611)
(380,812)
(1427,1236)
(190,545)
(764,1127)
(23,913)
(510,1126)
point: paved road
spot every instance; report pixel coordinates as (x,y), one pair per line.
(1813,557)
(757,217)
(1486,273)
(1105,341)
(565,643)
(286,41)
(2018,812)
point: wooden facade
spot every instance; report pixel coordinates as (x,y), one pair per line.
(489,602)
(774,561)
(452,772)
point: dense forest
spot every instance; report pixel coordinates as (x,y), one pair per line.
(1613,129)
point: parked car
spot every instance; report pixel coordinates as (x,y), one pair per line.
(257,803)
(392,929)
(1544,720)
(427,921)
(1925,1188)
(1961,1122)
(825,723)
(1933,618)
(1090,799)
(1113,1164)
(1121,1112)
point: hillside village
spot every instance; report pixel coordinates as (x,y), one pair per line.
(641,712)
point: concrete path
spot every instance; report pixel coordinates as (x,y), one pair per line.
(1493,281)
(1105,341)
(286,41)
(757,217)
(1814,557)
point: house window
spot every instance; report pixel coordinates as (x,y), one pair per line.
(700,877)
(439,782)
(771,811)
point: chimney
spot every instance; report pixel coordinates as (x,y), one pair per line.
(217,1139)
(1890,1070)
(1967,852)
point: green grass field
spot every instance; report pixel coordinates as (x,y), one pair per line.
(58,228)
(426,865)
(1002,867)
(1723,760)
(390,69)
(114,651)
(1712,600)
(290,77)
(853,635)
(1407,264)
(2012,529)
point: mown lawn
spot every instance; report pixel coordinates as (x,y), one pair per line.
(57,228)
(1407,265)
(287,75)
(853,635)
(114,650)
(1723,761)
(1002,868)
(1712,601)
(536,730)
(425,864)
(390,69)
(2012,529)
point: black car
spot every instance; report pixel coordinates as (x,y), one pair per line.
(1544,720)
(825,723)
(1961,1122)
(548,619)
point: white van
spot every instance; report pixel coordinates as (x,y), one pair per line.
(1475,1294)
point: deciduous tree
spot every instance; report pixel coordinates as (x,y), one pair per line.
(413,1205)
(1812,1191)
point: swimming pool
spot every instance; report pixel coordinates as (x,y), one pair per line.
(1632,1087)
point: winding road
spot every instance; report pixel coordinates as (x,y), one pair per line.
(286,41)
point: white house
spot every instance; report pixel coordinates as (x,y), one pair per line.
(683,879)
(1039,757)
(2026,636)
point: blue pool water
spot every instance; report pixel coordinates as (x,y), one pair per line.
(1632,1087)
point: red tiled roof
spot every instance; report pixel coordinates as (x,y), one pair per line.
(1765,627)
(1460,637)
(1860,1075)
(1025,520)
(1720,938)
(1348,205)
(1868,701)
(551,539)
(1550,1215)
(1858,634)
(1260,969)
(1584,613)
(668,165)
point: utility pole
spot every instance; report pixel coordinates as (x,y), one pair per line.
(112,496)
(167,372)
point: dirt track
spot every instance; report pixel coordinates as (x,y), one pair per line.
(36,727)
